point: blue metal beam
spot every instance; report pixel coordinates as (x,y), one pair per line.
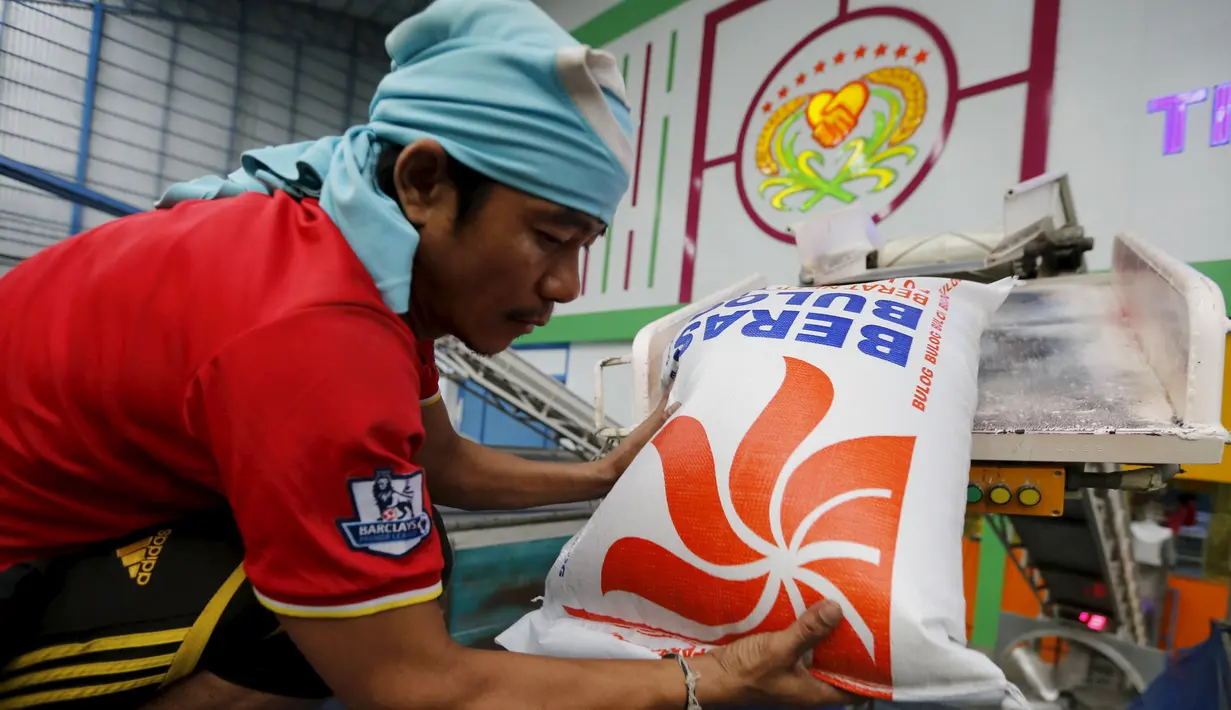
(352,76)
(4,20)
(296,71)
(165,134)
(64,189)
(241,38)
(87,109)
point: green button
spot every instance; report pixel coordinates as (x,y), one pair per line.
(974,493)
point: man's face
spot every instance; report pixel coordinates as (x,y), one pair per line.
(499,273)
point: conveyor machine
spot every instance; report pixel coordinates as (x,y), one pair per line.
(1090,385)
(1077,369)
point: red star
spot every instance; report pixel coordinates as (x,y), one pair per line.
(901,51)
(801,79)
(860,52)
(782,93)
(820,67)
(921,57)
(881,49)
(767,107)
(839,57)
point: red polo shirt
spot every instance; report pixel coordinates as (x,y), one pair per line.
(223,352)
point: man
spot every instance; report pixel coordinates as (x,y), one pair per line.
(216,487)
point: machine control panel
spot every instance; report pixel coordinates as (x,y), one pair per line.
(1016,490)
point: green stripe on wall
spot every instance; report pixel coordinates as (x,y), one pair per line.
(596,327)
(658,197)
(621,19)
(613,326)
(1220,273)
(671,63)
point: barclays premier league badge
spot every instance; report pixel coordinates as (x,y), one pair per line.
(389,514)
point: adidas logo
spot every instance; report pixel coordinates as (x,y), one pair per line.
(141,556)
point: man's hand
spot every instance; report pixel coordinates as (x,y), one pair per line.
(770,668)
(615,463)
(404,658)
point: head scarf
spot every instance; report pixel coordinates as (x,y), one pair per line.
(501,87)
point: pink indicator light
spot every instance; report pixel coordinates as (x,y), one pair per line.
(1096,622)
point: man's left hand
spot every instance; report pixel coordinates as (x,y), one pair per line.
(615,463)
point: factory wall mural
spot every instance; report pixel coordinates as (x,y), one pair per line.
(858,110)
(755,114)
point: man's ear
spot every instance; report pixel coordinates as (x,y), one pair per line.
(423,187)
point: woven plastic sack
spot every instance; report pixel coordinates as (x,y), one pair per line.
(822,450)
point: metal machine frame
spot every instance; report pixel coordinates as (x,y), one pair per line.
(1165,321)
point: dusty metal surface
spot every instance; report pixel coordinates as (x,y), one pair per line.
(1058,358)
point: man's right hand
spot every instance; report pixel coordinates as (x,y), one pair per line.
(772,668)
(404,658)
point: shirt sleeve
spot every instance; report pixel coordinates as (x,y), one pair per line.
(429,375)
(313,423)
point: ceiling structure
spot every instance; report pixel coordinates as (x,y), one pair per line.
(384,12)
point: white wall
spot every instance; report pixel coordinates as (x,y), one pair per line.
(1112,57)
(1111,63)
(175,98)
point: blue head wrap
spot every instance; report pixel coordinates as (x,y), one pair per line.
(501,87)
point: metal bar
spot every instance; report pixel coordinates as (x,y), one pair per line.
(240,38)
(527,389)
(208,76)
(33,7)
(296,68)
(87,111)
(496,520)
(598,385)
(4,20)
(114,89)
(352,77)
(65,189)
(505,408)
(1145,479)
(162,15)
(164,132)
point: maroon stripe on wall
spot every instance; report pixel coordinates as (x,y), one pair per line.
(1041,80)
(628,263)
(641,127)
(585,270)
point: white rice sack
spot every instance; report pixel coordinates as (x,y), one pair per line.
(822,450)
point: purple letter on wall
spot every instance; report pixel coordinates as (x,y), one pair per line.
(1176,108)
(1220,123)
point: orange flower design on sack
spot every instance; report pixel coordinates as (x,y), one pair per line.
(826,529)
